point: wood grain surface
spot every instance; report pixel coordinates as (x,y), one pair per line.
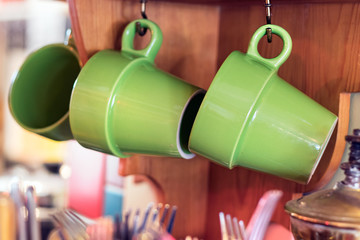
(99,24)
(197,38)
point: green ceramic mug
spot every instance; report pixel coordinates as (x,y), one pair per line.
(40,91)
(122,103)
(251,117)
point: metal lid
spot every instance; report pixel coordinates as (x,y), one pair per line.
(339,206)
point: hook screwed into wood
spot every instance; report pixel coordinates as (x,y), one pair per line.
(140,30)
(268,20)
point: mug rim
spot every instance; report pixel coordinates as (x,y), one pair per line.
(15,77)
(322,149)
(189,154)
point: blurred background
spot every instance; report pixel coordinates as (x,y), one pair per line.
(63,173)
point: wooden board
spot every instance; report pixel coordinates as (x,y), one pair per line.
(323,63)
(184,182)
(197,38)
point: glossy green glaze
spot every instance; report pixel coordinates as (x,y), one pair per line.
(122,103)
(40,92)
(251,117)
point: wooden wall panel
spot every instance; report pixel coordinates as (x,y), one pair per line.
(187,52)
(324,62)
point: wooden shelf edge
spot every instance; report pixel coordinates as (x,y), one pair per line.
(342,131)
(76,31)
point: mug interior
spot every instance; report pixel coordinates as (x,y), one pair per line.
(40,93)
(186,123)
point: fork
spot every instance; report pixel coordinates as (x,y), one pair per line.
(71,226)
(231,229)
(152,222)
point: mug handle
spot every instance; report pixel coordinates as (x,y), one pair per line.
(154,45)
(275,62)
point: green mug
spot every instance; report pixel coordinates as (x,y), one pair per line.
(40,91)
(122,103)
(251,117)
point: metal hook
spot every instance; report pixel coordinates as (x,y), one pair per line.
(269,34)
(268,20)
(140,30)
(143,8)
